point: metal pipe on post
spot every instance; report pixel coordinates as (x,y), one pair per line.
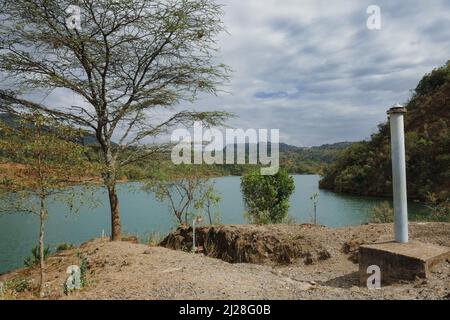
(193,236)
(396,115)
(198,219)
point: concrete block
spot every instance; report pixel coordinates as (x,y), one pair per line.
(400,261)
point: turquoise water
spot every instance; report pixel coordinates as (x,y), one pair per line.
(143,215)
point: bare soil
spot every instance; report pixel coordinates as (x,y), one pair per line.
(128,270)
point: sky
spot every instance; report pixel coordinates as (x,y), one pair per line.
(315,71)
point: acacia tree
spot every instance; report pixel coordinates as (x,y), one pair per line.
(42,163)
(130,62)
(208,201)
(184,188)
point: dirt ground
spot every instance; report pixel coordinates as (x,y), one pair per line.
(126,270)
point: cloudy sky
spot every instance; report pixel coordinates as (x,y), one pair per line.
(314,70)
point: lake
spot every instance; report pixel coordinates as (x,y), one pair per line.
(142,215)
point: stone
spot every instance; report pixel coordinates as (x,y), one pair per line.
(401,261)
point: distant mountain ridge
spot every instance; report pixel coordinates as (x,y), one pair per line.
(87,139)
(301,160)
(297,160)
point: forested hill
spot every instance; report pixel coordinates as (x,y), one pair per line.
(296,160)
(310,159)
(365,167)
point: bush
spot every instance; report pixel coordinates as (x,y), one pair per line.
(267,197)
(34,259)
(64,247)
(9,290)
(440,209)
(382,213)
(154,239)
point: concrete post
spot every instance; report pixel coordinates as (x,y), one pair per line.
(399,173)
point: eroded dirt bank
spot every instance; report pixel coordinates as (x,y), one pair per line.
(126,270)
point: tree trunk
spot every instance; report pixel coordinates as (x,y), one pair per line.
(116,225)
(209,215)
(110,181)
(42,217)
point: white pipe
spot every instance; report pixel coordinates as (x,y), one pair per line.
(193,235)
(399,173)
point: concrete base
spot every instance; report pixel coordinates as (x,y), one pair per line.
(400,261)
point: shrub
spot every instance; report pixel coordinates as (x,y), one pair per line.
(154,239)
(64,247)
(34,259)
(382,213)
(9,289)
(440,209)
(267,197)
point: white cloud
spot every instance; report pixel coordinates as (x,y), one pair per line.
(312,69)
(339,77)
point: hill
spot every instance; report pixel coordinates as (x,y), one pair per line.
(310,159)
(297,160)
(365,168)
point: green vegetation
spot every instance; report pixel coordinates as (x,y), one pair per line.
(84,266)
(311,160)
(64,247)
(130,70)
(382,213)
(209,201)
(187,191)
(83,270)
(440,210)
(365,167)
(294,159)
(267,197)
(154,239)
(46,162)
(34,259)
(10,289)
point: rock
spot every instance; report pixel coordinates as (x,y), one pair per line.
(351,248)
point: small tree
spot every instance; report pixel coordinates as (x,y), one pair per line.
(208,201)
(267,197)
(183,187)
(43,164)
